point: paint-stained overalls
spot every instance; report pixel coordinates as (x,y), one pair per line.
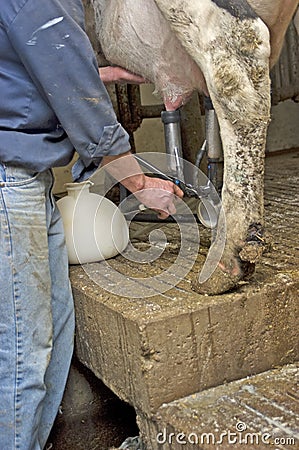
(52,102)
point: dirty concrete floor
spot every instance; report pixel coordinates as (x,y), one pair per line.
(111,421)
(91,416)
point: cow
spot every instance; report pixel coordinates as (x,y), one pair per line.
(224,49)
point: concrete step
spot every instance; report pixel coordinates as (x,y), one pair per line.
(259,412)
(153,350)
(162,349)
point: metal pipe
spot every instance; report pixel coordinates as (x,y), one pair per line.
(213,146)
(173,141)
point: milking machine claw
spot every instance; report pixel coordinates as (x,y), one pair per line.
(209,206)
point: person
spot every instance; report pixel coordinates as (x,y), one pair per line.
(53,103)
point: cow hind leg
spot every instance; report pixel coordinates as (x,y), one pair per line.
(231,46)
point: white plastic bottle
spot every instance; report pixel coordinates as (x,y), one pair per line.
(95,229)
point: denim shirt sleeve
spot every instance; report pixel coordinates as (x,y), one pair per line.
(58,55)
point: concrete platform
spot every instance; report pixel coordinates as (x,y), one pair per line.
(259,412)
(155,350)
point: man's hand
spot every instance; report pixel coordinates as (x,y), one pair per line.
(111,74)
(159,195)
(153,192)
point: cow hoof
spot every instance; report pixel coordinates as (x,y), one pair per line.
(223,280)
(252,252)
(258,242)
(238,264)
(219,283)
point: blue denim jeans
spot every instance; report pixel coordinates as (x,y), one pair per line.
(36,309)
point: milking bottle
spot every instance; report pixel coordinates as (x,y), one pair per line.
(95,229)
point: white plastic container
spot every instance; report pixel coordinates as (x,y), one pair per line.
(95,229)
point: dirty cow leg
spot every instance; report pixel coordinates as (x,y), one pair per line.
(231,46)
